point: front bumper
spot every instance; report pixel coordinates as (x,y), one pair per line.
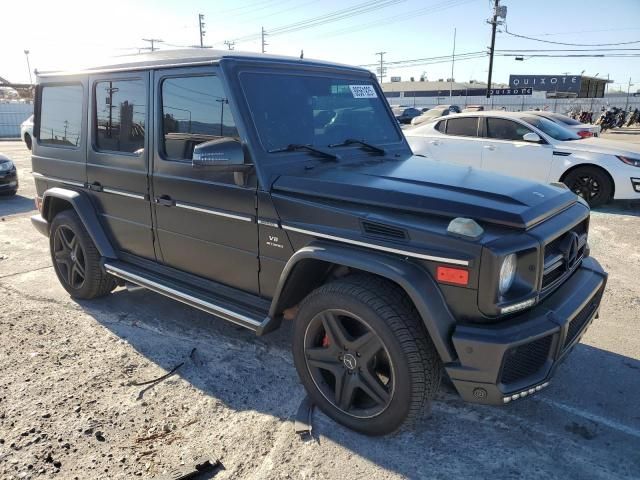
(40,224)
(502,362)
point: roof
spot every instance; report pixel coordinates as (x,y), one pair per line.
(432,86)
(181,58)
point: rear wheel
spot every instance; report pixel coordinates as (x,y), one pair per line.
(591,183)
(363,355)
(76,260)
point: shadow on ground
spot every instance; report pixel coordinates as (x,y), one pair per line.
(15,204)
(621,207)
(543,434)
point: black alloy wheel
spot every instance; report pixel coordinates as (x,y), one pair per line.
(349,363)
(69,257)
(590,183)
(363,354)
(76,260)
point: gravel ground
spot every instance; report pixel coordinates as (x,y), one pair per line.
(69,406)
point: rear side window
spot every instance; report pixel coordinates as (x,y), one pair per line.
(61,115)
(120,112)
(194,110)
(440,126)
(464,127)
(503,129)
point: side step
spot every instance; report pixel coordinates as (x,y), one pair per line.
(255,319)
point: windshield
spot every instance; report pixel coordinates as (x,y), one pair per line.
(318,111)
(552,129)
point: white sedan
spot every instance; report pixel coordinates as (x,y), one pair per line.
(26,131)
(529,146)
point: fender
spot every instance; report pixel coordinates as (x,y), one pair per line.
(413,279)
(80,202)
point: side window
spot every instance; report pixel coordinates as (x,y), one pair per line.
(441,125)
(503,129)
(61,115)
(464,127)
(194,110)
(119,116)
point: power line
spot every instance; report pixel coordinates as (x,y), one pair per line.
(337,15)
(506,30)
(409,15)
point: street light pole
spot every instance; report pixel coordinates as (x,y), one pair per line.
(494,25)
(26,53)
(453,60)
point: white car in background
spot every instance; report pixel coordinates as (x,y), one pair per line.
(529,146)
(585,130)
(26,131)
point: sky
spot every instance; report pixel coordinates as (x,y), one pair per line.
(62,34)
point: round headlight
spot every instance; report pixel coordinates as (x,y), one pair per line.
(6,166)
(507,273)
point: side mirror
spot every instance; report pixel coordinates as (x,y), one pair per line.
(222,154)
(531,137)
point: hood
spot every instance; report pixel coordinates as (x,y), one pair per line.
(600,145)
(424,186)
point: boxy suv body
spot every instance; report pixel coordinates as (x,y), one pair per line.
(264,189)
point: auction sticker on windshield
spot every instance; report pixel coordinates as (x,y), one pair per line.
(363,91)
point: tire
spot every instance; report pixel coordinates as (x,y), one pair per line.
(591,183)
(385,386)
(75,258)
(9,193)
(28,141)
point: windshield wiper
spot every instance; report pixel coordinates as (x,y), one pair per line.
(367,146)
(294,147)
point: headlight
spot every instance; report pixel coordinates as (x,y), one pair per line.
(507,273)
(634,162)
(6,166)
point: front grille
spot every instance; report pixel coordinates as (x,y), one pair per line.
(561,257)
(525,360)
(576,324)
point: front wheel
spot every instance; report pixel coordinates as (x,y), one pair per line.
(363,355)
(76,259)
(591,183)
(27,140)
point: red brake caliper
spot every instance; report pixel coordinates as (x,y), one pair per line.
(325,341)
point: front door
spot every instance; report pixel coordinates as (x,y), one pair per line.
(504,151)
(205,222)
(460,143)
(118,160)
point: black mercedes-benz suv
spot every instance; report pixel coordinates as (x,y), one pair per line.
(265,189)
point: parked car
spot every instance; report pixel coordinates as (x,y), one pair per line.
(8,176)
(585,130)
(530,146)
(405,114)
(391,267)
(26,131)
(473,108)
(432,114)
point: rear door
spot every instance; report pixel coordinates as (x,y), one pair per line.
(460,143)
(205,221)
(118,160)
(504,151)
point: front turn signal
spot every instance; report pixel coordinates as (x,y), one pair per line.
(455,276)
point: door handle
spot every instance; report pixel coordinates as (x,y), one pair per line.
(489,147)
(165,200)
(434,142)
(95,187)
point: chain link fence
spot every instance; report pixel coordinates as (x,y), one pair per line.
(11,116)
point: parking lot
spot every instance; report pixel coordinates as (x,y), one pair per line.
(69,406)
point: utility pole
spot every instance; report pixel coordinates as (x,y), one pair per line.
(381,71)
(26,53)
(264,43)
(152,41)
(498,11)
(453,60)
(202,30)
(626,107)
(229,44)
